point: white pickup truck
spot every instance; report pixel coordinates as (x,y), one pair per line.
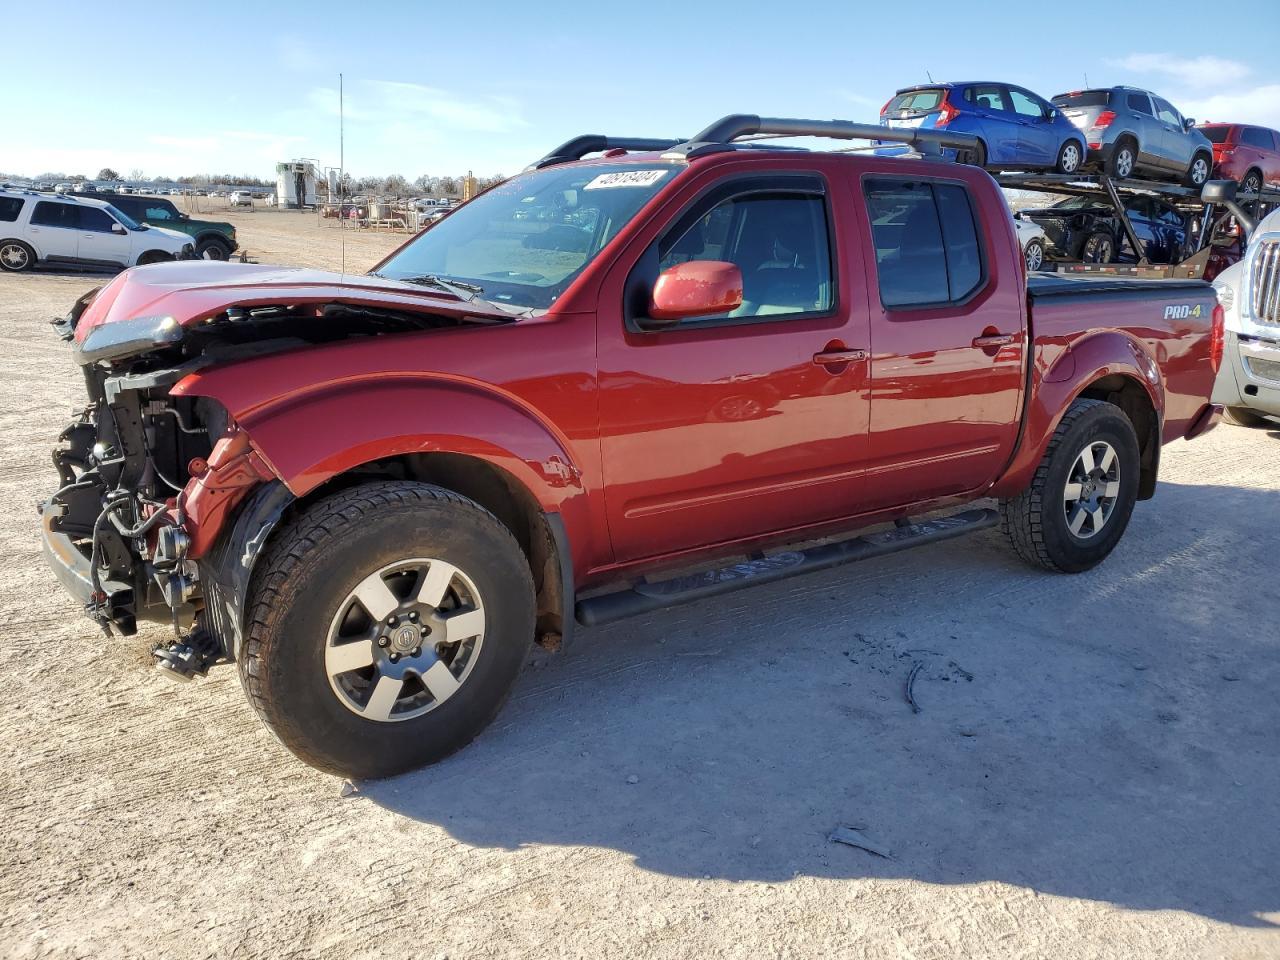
(1248,383)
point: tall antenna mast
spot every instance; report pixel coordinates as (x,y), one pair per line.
(342,170)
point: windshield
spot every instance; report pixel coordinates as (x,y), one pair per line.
(524,241)
(1083,98)
(124,218)
(915,101)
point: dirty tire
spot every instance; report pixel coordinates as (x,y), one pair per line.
(213,249)
(309,570)
(16,256)
(1124,159)
(1244,417)
(1035,520)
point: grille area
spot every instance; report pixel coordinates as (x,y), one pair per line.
(1264,282)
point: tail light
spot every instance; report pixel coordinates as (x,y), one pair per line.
(1104,119)
(946,112)
(1217,337)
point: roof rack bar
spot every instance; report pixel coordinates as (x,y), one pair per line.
(579,147)
(727,129)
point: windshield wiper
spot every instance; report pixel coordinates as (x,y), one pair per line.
(457,287)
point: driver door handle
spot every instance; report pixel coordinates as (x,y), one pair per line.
(993,340)
(827,357)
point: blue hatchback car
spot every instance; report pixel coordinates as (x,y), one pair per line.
(1018,129)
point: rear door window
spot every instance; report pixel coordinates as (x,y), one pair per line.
(988,96)
(1257,137)
(928,252)
(50,213)
(1140,103)
(10,207)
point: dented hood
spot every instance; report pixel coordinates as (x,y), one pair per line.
(187,292)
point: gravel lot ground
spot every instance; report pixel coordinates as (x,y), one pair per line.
(1093,773)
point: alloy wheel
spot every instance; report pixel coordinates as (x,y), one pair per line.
(1070,158)
(404,640)
(14,256)
(1199,171)
(1034,256)
(1124,163)
(1092,489)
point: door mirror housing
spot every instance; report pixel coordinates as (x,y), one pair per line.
(118,228)
(1188,123)
(1051,114)
(698,288)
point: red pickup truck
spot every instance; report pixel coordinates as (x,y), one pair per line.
(606,386)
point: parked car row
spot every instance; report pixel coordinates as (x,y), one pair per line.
(1121,130)
(214,240)
(39,227)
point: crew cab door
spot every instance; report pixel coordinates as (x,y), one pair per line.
(947,338)
(99,239)
(54,229)
(738,425)
(1037,138)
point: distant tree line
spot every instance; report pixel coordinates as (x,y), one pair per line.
(394,185)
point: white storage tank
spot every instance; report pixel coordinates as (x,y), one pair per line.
(296,184)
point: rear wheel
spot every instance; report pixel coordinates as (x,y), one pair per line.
(1198,172)
(1069,157)
(1244,417)
(1100,247)
(1082,495)
(1034,256)
(386,628)
(1124,159)
(1252,183)
(977,157)
(16,256)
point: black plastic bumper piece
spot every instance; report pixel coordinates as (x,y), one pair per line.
(72,569)
(647,597)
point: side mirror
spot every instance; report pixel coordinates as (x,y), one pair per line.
(118,228)
(1052,114)
(698,288)
(1188,123)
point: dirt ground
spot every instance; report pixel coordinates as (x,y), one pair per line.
(1093,773)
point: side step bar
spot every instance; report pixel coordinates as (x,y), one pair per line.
(646,597)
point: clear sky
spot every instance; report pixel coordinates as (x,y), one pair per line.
(181,88)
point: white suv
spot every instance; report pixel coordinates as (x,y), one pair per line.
(46,228)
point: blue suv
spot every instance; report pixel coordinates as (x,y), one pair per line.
(1017,128)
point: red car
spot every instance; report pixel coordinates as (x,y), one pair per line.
(373,493)
(1249,155)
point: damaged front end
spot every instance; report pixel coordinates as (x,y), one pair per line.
(142,527)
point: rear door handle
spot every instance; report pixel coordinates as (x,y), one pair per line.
(828,357)
(993,340)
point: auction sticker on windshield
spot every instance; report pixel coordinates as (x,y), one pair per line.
(626,178)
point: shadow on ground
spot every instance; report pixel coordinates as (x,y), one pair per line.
(1117,740)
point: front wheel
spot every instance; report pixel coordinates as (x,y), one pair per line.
(385,627)
(1198,172)
(212,249)
(1082,495)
